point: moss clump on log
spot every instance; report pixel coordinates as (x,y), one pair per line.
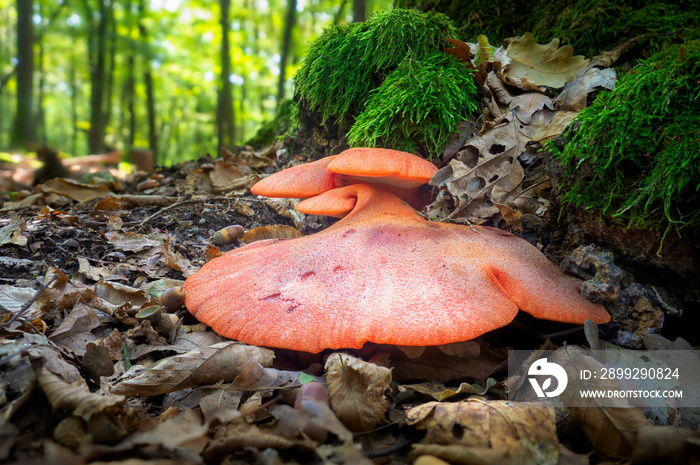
(349,64)
(417,106)
(634,155)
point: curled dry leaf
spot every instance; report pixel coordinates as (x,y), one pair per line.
(522,429)
(357,390)
(208,365)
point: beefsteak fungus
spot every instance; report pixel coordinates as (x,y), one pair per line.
(381,274)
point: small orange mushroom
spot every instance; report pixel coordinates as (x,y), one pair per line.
(398,172)
(382,274)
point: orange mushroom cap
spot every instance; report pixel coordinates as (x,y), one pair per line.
(299,181)
(398,172)
(382,274)
(399,169)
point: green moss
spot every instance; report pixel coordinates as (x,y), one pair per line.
(589,26)
(417,106)
(635,155)
(284,122)
(348,64)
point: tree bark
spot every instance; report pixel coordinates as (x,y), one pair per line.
(109,72)
(23,130)
(148,81)
(224,114)
(96,134)
(359,10)
(289,24)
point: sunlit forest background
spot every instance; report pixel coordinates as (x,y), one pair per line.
(179,77)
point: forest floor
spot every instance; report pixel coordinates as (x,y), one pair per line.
(95,368)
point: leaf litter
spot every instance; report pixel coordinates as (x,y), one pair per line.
(96,368)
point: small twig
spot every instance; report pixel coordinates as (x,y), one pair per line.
(29,303)
(168,208)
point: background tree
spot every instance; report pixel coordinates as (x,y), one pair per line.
(24,126)
(154,74)
(225,122)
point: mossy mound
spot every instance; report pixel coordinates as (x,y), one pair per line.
(635,155)
(589,26)
(417,106)
(350,65)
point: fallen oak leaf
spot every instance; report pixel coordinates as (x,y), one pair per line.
(209,365)
(529,65)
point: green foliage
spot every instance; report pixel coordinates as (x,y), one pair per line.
(347,62)
(635,155)
(417,105)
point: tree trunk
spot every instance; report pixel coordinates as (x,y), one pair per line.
(148,81)
(96,135)
(359,10)
(74,100)
(23,130)
(224,113)
(289,23)
(41,129)
(112,36)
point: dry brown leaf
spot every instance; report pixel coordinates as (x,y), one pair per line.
(611,431)
(183,343)
(357,390)
(75,331)
(241,436)
(11,233)
(74,190)
(134,242)
(75,396)
(94,273)
(440,392)
(485,162)
(556,126)
(522,429)
(254,376)
(209,365)
(575,95)
(525,105)
(460,50)
(176,260)
(529,65)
